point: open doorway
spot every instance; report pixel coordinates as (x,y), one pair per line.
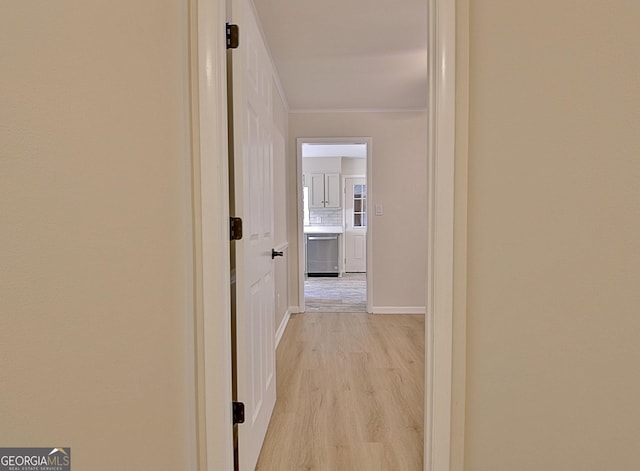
(335,271)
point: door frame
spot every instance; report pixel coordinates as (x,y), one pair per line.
(299,198)
(208,121)
(211,245)
(440,203)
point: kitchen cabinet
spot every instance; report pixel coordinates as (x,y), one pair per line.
(324,190)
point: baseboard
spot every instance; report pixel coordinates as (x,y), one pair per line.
(399,310)
(283,325)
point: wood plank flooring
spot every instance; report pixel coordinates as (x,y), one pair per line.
(350,394)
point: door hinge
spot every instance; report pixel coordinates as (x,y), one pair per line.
(235,226)
(238,413)
(233,36)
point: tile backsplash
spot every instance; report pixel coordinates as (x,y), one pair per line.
(325,217)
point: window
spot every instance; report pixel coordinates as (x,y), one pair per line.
(360,205)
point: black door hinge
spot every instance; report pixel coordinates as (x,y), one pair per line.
(235,225)
(233,36)
(238,413)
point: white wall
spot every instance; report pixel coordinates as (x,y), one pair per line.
(399,152)
(96,324)
(342,165)
(322,165)
(351,166)
(553,248)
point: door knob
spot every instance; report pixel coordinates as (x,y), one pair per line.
(275,254)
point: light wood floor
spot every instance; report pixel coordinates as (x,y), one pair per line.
(350,394)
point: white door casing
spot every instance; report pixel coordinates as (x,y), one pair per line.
(253,182)
(211,236)
(440,245)
(355,235)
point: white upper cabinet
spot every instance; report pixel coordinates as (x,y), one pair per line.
(316,190)
(324,190)
(331,190)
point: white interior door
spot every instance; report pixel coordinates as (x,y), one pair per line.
(253,191)
(355,225)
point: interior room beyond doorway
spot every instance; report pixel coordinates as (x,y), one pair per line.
(334,199)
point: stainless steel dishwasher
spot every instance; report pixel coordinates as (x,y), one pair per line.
(322,255)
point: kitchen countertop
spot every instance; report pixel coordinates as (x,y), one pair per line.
(323,229)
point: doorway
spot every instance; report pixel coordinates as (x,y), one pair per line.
(335,271)
(211,215)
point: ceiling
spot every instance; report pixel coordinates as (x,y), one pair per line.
(348,54)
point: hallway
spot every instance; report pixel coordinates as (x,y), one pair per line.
(350,394)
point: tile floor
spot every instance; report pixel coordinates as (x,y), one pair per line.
(342,294)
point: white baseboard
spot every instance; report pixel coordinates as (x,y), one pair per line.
(283,325)
(399,310)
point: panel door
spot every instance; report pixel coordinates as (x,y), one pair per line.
(355,236)
(253,192)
